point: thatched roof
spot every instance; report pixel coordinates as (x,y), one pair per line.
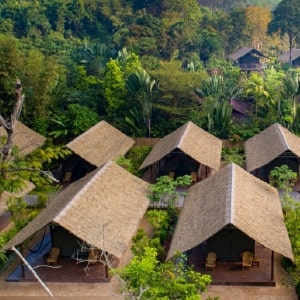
(285,57)
(242,51)
(232,196)
(103,209)
(101,143)
(25,138)
(193,141)
(268,145)
(240,106)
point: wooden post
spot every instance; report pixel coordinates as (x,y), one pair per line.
(22,263)
(106,271)
(272,266)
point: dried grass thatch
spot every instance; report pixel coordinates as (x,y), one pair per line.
(242,51)
(268,145)
(285,57)
(193,141)
(103,209)
(101,143)
(25,138)
(232,196)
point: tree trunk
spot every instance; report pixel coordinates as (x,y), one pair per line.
(9,126)
(291,46)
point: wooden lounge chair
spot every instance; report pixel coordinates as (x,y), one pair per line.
(67,177)
(247,258)
(171,174)
(94,256)
(53,256)
(211,260)
(194,177)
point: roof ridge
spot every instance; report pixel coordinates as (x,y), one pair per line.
(282,135)
(182,137)
(230,194)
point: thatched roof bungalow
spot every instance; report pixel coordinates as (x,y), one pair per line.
(272,147)
(240,110)
(226,212)
(96,146)
(26,139)
(103,209)
(247,59)
(185,150)
(293,57)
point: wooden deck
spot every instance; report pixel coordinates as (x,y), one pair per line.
(232,273)
(225,273)
(68,270)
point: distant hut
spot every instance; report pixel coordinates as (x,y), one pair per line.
(93,148)
(247,59)
(104,209)
(26,139)
(240,110)
(189,150)
(292,57)
(274,146)
(227,213)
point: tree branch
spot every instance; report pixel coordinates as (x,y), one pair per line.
(46,173)
(33,272)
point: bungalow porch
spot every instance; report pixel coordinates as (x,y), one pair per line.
(67,270)
(232,273)
(73,264)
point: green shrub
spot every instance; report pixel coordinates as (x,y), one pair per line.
(159,219)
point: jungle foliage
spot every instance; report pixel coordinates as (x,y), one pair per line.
(137,65)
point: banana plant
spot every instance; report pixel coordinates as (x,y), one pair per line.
(219,119)
(143,89)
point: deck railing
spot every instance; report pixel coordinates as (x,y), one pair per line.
(165,202)
(251,66)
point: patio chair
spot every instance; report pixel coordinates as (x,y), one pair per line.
(67,177)
(211,260)
(247,258)
(53,256)
(171,174)
(94,256)
(194,177)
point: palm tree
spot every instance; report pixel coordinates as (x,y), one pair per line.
(219,89)
(219,119)
(216,93)
(143,88)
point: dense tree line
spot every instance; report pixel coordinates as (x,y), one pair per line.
(85,60)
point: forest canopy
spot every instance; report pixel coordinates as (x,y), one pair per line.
(136,64)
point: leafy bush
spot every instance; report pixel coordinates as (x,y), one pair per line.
(147,278)
(137,154)
(233,154)
(165,188)
(160,222)
(3,257)
(142,241)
